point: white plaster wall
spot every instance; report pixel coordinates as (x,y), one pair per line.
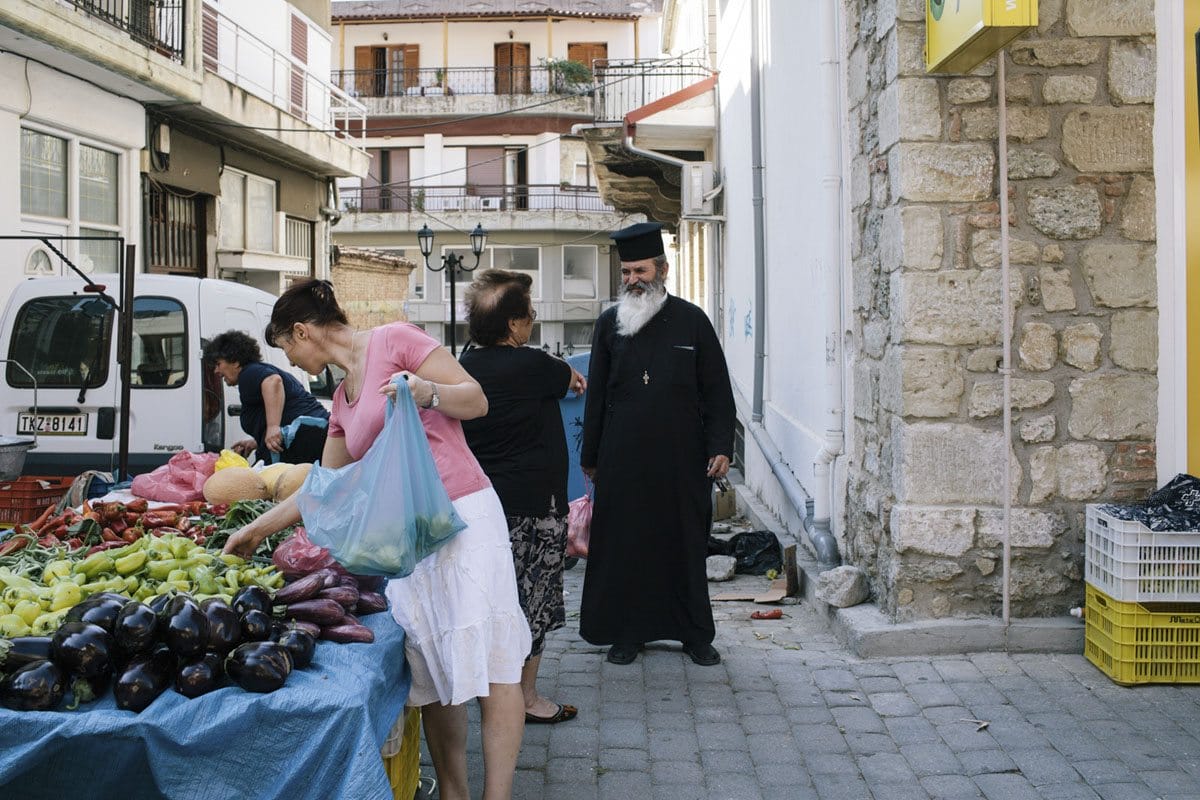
(53,103)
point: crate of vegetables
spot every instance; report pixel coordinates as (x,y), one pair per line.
(1132,563)
(23,499)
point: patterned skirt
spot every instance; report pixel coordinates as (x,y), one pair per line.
(539,546)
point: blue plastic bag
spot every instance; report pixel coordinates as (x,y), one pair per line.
(382,514)
(288,432)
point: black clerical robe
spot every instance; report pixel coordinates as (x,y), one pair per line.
(658,406)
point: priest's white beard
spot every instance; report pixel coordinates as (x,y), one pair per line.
(638,308)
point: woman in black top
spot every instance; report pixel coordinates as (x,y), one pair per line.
(522,447)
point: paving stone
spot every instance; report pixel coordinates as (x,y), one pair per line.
(842,787)
(571,770)
(1068,791)
(951,787)
(789,793)
(979,694)
(911,672)
(720,736)
(731,786)
(624,759)
(766,723)
(1005,787)
(623,733)
(584,791)
(621,785)
(1171,782)
(931,758)
(820,739)
(691,791)
(809,715)
(790,774)
(858,720)
(954,671)
(676,772)
(880,684)
(932,694)
(823,764)
(622,710)
(911,730)
(715,761)
(670,721)
(1104,771)
(894,704)
(980,762)
(855,699)
(940,715)
(528,783)
(963,736)
(756,703)
(865,744)
(1125,791)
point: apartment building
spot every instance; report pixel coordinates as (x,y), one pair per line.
(205,133)
(472,120)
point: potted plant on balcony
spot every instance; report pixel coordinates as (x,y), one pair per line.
(568,77)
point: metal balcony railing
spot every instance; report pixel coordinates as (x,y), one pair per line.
(431,82)
(625,85)
(157,24)
(243,59)
(441,199)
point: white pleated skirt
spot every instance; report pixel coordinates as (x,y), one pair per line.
(463,623)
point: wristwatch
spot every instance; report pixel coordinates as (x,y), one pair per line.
(434,401)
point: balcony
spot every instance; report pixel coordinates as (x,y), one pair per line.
(157,24)
(413,92)
(510,207)
(625,85)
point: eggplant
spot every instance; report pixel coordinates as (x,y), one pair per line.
(37,686)
(330,576)
(199,675)
(259,666)
(349,581)
(16,653)
(82,648)
(224,627)
(144,679)
(305,588)
(250,597)
(98,610)
(89,690)
(300,644)
(344,596)
(311,628)
(370,603)
(255,625)
(186,631)
(158,604)
(321,611)
(371,583)
(135,628)
(347,634)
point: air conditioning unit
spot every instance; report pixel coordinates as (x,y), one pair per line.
(696,181)
(490,203)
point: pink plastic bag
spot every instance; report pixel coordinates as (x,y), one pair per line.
(296,555)
(180,480)
(579,525)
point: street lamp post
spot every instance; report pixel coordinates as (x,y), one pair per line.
(452,262)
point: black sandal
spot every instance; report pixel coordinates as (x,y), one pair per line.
(564,713)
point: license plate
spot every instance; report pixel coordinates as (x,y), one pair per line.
(53,424)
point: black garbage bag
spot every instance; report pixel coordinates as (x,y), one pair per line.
(755,551)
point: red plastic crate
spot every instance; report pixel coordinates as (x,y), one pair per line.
(24,499)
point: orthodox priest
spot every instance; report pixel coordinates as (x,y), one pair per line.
(657,430)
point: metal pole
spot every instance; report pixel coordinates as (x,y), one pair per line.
(124,353)
(1006,311)
(452,266)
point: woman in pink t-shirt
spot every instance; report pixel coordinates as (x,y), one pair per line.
(466,635)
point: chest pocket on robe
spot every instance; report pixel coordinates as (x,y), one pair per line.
(683,366)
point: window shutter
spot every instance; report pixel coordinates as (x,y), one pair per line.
(485,170)
(208,29)
(412,62)
(364,65)
(300,53)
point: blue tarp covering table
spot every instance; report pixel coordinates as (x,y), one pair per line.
(317,737)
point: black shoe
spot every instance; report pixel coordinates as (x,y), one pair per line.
(623,653)
(703,654)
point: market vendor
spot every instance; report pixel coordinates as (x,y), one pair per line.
(272,400)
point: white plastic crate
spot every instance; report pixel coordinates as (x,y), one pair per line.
(1131,563)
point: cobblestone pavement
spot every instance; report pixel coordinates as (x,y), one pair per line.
(791,715)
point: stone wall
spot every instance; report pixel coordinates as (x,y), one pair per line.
(926,466)
(371,286)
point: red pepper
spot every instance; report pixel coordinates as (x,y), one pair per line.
(14,543)
(131,535)
(137,506)
(132,517)
(201,539)
(105,546)
(41,520)
(118,525)
(160,519)
(219,509)
(74,543)
(167,530)
(774,613)
(107,535)
(49,541)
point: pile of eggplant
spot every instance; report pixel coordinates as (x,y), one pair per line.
(141,650)
(326,602)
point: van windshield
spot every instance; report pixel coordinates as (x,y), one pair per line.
(63,341)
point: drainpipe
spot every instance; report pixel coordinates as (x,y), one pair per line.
(760,245)
(832,185)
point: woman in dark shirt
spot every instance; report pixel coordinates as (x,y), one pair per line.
(522,447)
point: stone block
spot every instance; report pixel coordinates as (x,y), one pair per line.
(1081,346)
(911,11)
(907,57)
(1055,52)
(1113,408)
(856,76)
(920,108)
(842,586)
(1049,13)
(987,397)
(963,91)
(1066,212)
(1120,275)
(955,308)
(942,463)
(985,250)
(720,568)
(1110,17)
(1043,474)
(1030,527)
(1069,89)
(1082,471)
(887,106)
(1057,292)
(932,530)
(866,390)
(1137,212)
(985,359)
(911,238)
(1133,342)
(921,382)
(1039,346)
(1039,429)
(1131,72)
(1019,89)
(1027,163)
(1109,139)
(928,172)
(1053,253)
(1025,123)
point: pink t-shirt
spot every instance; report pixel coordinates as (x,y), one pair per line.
(391,348)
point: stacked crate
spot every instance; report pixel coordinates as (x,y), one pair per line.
(1143,601)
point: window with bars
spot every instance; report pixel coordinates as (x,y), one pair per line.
(177,230)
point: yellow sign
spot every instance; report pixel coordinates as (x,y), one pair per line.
(962,34)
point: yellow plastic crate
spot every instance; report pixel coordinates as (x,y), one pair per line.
(1136,643)
(404,765)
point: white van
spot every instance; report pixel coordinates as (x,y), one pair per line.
(67,338)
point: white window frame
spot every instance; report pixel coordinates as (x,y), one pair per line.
(248,177)
(588,174)
(71,224)
(595,272)
(579,348)
(535,291)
